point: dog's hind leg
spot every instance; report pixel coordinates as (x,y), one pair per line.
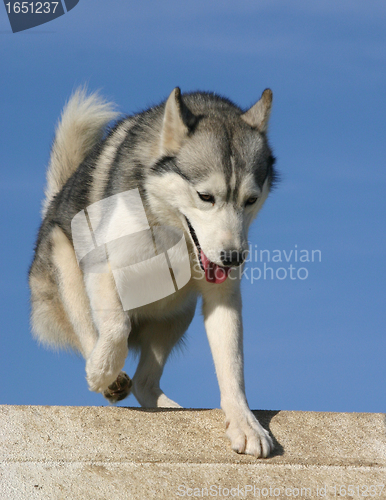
(157,339)
(72,293)
(60,310)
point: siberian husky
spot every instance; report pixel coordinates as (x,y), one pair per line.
(198,164)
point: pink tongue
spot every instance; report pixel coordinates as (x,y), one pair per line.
(213,272)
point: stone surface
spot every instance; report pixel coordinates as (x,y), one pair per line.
(122,453)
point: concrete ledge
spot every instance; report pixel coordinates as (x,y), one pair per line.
(122,453)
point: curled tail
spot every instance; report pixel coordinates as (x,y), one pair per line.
(80,127)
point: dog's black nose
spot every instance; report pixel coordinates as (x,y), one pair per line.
(231,258)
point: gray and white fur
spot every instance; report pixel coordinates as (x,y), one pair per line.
(203,166)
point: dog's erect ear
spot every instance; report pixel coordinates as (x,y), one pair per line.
(258,115)
(177,121)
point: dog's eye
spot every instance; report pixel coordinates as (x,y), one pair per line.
(206,197)
(251,200)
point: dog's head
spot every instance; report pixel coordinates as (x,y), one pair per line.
(212,173)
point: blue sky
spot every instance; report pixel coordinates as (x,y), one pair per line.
(312,344)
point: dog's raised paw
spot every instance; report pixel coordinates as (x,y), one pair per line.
(119,389)
(249,437)
(104,366)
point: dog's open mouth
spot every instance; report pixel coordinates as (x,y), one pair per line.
(213,272)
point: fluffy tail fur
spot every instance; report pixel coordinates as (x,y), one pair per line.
(80,127)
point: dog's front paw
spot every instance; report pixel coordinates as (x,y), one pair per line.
(248,436)
(103,368)
(119,389)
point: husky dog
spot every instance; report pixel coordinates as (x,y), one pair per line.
(201,165)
